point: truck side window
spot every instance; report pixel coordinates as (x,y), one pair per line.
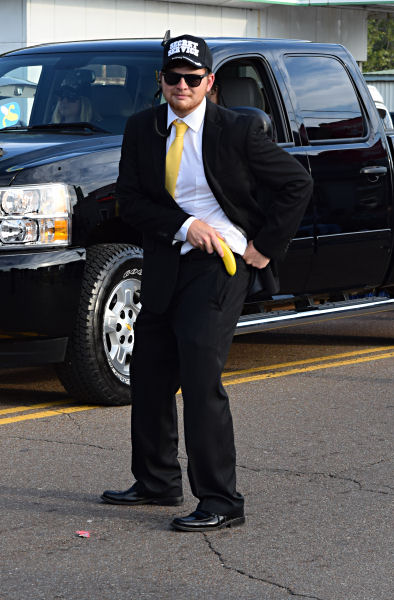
(330,111)
(243,83)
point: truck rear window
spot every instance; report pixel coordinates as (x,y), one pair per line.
(329,111)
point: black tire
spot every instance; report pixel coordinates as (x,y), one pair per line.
(96,369)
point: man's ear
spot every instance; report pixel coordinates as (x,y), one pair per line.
(211,79)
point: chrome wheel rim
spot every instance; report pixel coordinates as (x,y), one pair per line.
(120,313)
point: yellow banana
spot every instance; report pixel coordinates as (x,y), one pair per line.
(228,258)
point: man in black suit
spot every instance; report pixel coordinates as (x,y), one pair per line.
(190,304)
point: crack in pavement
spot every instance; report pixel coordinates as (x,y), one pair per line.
(377,492)
(301,473)
(74,421)
(253,577)
(28,439)
(378,462)
(322,474)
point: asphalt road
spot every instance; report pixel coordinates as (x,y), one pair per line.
(312,407)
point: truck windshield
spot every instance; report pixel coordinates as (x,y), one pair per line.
(102,89)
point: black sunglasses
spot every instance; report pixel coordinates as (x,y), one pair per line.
(71,97)
(173,78)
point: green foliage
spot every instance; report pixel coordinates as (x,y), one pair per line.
(380,44)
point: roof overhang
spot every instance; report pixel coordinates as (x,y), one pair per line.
(378,5)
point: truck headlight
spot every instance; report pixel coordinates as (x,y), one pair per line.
(36,215)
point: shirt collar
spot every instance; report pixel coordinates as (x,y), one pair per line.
(194,119)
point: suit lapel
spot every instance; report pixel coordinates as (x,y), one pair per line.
(158,147)
(211,137)
(211,140)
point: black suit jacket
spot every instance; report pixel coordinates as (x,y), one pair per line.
(259,186)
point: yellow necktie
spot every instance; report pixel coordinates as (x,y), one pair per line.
(173,158)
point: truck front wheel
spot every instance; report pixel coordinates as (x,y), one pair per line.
(97,365)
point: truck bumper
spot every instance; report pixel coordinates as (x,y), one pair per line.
(39,298)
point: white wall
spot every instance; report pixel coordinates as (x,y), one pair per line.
(318,24)
(64,20)
(12,24)
(28,22)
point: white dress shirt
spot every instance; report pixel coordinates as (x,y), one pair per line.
(192,192)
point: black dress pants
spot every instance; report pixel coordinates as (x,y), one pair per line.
(187,347)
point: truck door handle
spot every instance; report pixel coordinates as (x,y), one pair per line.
(373,171)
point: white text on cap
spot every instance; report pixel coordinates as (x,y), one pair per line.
(185,46)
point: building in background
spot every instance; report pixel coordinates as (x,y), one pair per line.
(29,22)
(383,81)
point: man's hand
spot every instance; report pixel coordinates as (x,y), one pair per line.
(204,237)
(254,258)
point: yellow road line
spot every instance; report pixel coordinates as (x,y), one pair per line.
(307,369)
(307,361)
(16,409)
(46,413)
(272,375)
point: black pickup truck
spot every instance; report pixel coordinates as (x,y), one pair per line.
(69,269)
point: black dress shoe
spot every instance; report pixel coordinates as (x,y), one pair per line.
(200,520)
(132,497)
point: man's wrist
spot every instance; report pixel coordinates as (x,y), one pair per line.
(181,234)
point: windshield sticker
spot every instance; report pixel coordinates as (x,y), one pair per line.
(10,114)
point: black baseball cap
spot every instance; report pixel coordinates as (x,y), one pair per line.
(69,91)
(188,48)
